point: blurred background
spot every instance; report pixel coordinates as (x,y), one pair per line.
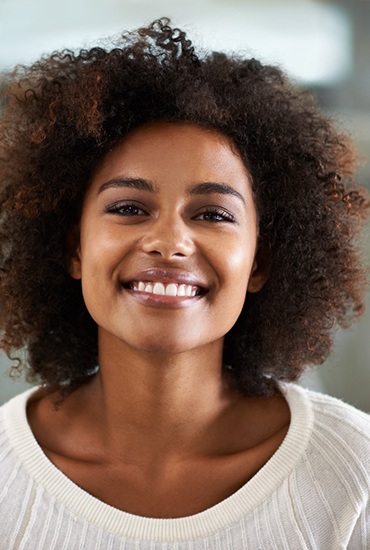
(322,45)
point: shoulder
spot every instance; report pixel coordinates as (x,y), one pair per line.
(14,428)
(342,432)
(340,423)
(337,454)
(336,436)
(330,416)
(329,484)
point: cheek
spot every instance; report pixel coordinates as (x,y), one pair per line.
(99,257)
(101,248)
(235,263)
(239,258)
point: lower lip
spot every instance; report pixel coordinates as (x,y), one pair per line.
(161,300)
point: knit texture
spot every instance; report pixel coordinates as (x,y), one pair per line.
(314,493)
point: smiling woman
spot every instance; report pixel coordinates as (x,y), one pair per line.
(188,229)
(172,225)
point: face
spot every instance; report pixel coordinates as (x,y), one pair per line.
(167,244)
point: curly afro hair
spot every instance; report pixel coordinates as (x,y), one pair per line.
(61,115)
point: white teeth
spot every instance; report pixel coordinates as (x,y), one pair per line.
(171,290)
(158,289)
(161,289)
(181,290)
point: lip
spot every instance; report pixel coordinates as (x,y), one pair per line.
(162,301)
(158,275)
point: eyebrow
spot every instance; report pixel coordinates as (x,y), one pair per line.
(206,188)
(209,187)
(133,183)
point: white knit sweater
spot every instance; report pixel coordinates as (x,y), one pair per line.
(314,493)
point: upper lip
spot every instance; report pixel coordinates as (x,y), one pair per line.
(159,275)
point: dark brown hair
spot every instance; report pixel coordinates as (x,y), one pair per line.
(61,115)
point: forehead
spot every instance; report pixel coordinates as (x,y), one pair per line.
(174,148)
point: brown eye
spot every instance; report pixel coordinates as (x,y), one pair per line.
(125,209)
(215,215)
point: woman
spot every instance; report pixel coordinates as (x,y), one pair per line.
(179,240)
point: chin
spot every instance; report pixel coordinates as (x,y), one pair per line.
(157,348)
(160,345)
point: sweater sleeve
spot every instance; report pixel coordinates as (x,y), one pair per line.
(341,468)
(360,538)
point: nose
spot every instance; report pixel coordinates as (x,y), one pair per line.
(168,238)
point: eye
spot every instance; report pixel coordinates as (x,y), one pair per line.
(215,214)
(125,209)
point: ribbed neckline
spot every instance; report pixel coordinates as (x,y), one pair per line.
(203,524)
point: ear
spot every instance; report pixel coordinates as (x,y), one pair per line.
(260,269)
(73,253)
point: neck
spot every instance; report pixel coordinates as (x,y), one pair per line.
(163,402)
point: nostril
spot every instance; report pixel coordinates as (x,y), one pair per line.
(167,244)
(166,254)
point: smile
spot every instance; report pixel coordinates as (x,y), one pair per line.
(165,289)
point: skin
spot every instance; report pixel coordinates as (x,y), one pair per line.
(161,411)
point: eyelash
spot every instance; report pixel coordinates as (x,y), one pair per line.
(127,209)
(123,209)
(215,211)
